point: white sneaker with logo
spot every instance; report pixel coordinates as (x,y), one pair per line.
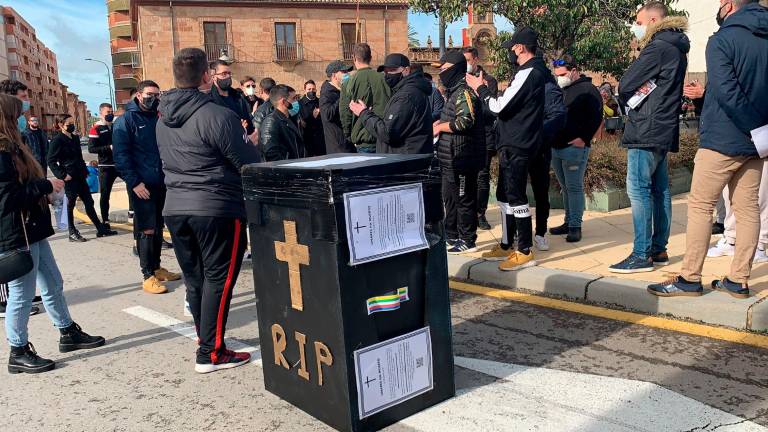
(541,243)
(760,256)
(721,249)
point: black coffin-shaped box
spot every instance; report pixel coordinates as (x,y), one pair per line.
(313,305)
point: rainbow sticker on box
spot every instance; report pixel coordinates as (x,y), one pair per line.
(387,303)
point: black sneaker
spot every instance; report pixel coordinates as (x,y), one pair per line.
(633,264)
(660,259)
(74,338)
(75,237)
(482,222)
(559,230)
(107,226)
(226,360)
(450,242)
(32,311)
(37,301)
(130,214)
(25,360)
(574,235)
(718,228)
(676,287)
(135,251)
(462,247)
(106,233)
(167,245)
(740,291)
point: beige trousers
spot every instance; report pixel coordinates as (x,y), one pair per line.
(712,173)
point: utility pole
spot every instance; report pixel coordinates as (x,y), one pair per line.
(441,31)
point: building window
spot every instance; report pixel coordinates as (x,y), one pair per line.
(215,39)
(350,35)
(10,20)
(286,47)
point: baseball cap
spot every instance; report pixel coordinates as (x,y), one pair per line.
(337,66)
(396,60)
(524,36)
(452,57)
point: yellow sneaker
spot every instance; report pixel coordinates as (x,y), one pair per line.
(518,261)
(154,286)
(497,253)
(164,275)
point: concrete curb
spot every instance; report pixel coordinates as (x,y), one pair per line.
(712,308)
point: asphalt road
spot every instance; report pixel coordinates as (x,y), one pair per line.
(519,367)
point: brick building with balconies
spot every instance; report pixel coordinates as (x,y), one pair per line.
(289,40)
(32,63)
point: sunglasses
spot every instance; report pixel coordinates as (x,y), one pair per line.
(559,63)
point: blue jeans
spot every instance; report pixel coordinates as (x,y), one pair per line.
(648,190)
(21,292)
(366,149)
(570,164)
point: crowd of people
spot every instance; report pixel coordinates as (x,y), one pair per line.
(180,152)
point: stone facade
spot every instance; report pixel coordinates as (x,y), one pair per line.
(251,36)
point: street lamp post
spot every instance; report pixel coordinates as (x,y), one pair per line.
(109,76)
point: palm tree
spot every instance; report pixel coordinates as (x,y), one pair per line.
(413,37)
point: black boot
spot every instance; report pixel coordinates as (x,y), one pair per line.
(74,338)
(75,237)
(559,230)
(25,360)
(574,235)
(105,231)
(482,222)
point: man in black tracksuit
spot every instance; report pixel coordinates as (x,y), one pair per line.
(330,93)
(203,147)
(520,111)
(406,126)
(461,151)
(100,143)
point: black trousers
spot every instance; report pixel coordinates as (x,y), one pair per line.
(538,170)
(210,253)
(149,216)
(484,183)
(107,177)
(460,200)
(513,198)
(78,188)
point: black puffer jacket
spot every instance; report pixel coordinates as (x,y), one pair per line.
(280,138)
(203,147)
(462,151)
(335,142)
(655,124)
(406,127)
(65,157)
(17,199)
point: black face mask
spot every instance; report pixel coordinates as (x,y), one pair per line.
(513,58)
(224,84)
(453,75)
(109,117)
(393,79)
(311,95)
(70,128)
(719,18)
(149,103)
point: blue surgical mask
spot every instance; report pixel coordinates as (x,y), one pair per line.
(25,105)
(22,123)
(294,110)
(345,78)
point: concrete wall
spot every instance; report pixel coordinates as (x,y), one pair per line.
(318,29)
(701,25)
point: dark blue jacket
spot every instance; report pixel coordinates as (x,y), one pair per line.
(737,83)
(134,144)
(437,102)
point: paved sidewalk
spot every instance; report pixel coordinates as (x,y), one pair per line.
(580,271)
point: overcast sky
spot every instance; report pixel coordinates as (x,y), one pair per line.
(77,29)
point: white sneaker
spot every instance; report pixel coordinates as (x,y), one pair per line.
(760,256)
(721,249)
(541,242)
(187,309)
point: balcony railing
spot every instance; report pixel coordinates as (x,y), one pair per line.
(216,51)
(288,52)
(135,59)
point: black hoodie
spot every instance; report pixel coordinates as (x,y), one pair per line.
(203,147)
(407,124)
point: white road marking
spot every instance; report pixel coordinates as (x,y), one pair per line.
(531,398)
(188,330)
(538,399)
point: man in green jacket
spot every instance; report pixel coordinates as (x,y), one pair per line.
(369,87)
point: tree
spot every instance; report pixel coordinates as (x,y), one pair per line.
(413,37)
(595,31)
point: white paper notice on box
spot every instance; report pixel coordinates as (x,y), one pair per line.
(384,222)
(393,371)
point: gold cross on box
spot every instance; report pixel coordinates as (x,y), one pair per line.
(295,255)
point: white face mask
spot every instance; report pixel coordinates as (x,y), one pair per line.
(470,68)
(564,81)
(250,91)
(638,30)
